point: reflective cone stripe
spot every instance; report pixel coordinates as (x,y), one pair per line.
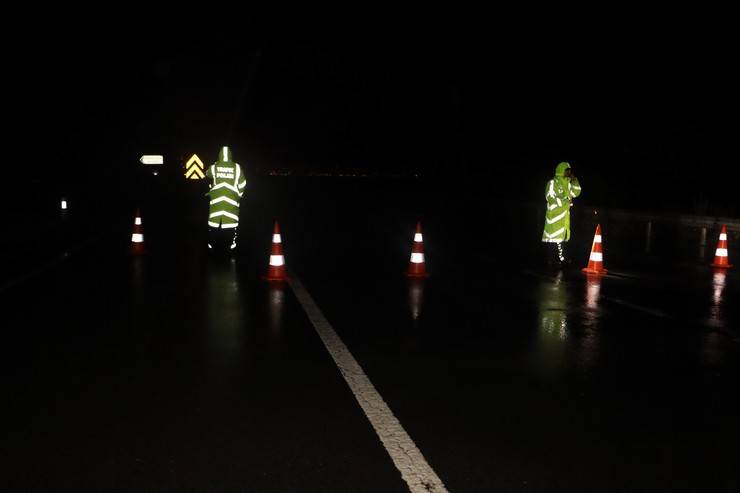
(137,237)
(276,268)
(596,258)
(417,265)
(721,259)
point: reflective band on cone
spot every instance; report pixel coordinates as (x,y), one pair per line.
(276,268)
(596,258)
(721,258)
(417,258)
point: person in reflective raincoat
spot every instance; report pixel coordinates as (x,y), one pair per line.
(559,194)
(226,184)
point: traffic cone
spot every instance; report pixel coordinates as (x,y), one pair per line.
(276,270)
(137,237)
(721,259)
(417,267)
(596,259)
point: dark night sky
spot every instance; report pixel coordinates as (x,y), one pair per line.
(507,107)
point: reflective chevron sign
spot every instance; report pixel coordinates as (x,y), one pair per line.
(194,168)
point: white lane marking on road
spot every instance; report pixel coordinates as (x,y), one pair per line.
(403,451)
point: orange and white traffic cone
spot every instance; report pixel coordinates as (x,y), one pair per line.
(721,259)
(276,270)
(137,237)
(417,266)
(596,259)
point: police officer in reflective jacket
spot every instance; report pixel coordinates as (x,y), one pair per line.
(226,182)
(559,194)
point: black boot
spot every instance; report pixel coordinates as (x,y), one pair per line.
(561,253)
(553,256)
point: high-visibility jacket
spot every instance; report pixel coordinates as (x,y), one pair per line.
(226,183)
(559,193)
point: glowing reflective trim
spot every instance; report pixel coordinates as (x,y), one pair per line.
(236,175)
(224,185)
(243,184)
(226,153)
(722,236)
(233,245)
(224,199)
(597,238)
(276,238)
(209,246)
(551,207)
(560,202)
(64,205)
(721,252)
(137,221)
(223,226)
(418,238)
(223,213)
(597,256)
(277,260)
(417,258)
(556,233)
(556,218)
(137,238)
(551,192)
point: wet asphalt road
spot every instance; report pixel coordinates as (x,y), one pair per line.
(178,371)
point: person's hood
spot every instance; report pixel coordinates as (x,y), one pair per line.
(560,169)
(224,155)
